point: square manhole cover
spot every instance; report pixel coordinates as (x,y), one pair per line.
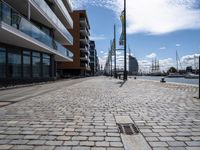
(128,128)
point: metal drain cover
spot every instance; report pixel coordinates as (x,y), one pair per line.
(128,128)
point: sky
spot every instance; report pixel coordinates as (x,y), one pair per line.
(156,29)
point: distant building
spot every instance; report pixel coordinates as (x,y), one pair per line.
(80,47)
(94,61)
(133,66)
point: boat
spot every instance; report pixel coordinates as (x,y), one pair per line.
(191,76)
(175,75)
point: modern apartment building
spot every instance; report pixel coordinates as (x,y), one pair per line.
(80,48)
(32,35)
(94,61)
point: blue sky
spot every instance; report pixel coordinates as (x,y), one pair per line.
(156,29)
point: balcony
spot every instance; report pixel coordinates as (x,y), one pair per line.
(62,12)
(50,16)
(84,40)
(17,30)
(84,58)
(83,22)
(84,31)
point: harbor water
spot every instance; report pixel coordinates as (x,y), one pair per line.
(175,80)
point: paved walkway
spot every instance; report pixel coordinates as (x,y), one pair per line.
(82,116)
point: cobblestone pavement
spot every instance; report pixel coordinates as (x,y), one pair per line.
(82,117)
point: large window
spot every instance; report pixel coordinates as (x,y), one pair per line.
(14,64)
(6,13)
(36,65)
(2,63)
(46,66)
(26,64)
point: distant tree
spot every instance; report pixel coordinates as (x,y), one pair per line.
(172,70)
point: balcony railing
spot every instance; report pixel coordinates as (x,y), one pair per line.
(65,12)
(51,15)
(14,19)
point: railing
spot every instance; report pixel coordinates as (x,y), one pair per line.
(14,19)
(65,12)
(47,10)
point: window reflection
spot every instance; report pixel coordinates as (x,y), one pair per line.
(26,64)
(36,65)
(2,62)
(46,66)
(14,65)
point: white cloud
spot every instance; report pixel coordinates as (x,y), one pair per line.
(101,52)
(152,16)
(152,55)
(190,60)
(178,45)
(163,48)
(98,38)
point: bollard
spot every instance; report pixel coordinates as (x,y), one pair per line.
(162,80)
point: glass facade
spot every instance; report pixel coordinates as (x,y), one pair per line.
(36,65)
(46,65)
(26,64)
(14,64)
(19,64)
(2,62)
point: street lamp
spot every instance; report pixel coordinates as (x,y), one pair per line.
(125,70)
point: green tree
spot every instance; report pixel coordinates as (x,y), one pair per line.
(172,70)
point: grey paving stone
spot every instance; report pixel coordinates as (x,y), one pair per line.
(36,142)
(158,144)
(87,143)
(44,148)
(63,148)
(102,144)
(71,143)
(5,146)
(22,147)
(54,142)
(193,143)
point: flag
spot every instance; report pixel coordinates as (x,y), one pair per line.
(121,41)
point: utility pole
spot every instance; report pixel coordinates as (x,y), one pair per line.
(111,59)
(199,77)
(125,69)
(115,75)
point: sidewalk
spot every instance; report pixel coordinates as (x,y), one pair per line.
(82,116)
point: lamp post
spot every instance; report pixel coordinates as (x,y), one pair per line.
(199,77)
(125,69)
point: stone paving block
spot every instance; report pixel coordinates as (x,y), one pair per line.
(96,138)
(36,142)
(31,137)
(158,144)
(79,138)
(44,148)
(176,148)
(17,142)
(193,143)
(5,146)
(166,138)
(80,148)
(102,144)
(113,139)
(54,142)
(71,143)
(116,144)
(63,148)
(87,143)
(22,147)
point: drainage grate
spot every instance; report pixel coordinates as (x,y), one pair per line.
(128,129)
